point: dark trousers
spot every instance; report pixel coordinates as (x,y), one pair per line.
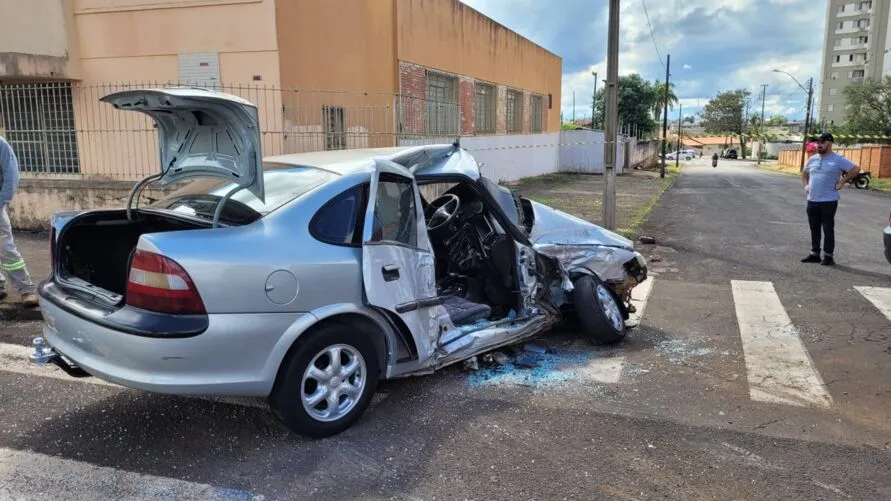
(821,216)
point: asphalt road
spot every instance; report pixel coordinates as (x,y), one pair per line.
(668,414)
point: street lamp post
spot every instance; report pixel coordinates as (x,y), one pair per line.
(807,117)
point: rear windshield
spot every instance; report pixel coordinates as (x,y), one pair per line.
(200,197)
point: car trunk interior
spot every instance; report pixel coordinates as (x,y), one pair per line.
(97,247)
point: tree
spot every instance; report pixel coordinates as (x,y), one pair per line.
(636,100)
(659,87)
(869,109)
(777,120)
(689,119)
(725,115)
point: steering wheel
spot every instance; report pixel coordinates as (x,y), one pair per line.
(442,211)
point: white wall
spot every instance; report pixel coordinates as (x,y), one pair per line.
(508,158)
(515,156)
(582,151)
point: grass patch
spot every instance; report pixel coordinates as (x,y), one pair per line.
(555,179)
(581,195)
(785,169)
(671,175)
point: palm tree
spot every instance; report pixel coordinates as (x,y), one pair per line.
(660,98)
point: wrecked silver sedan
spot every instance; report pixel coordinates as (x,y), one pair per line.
(306,278)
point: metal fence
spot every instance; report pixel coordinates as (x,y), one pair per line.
(63,128)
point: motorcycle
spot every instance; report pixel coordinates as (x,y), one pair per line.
(860,181)
(714,162)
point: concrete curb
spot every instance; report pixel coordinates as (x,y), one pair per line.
(15,312)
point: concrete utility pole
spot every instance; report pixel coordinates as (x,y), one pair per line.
(611,118)
(807,122)
(594,101)
(807,116)
(677,157)
(573,107)
(665,116)
(761,127)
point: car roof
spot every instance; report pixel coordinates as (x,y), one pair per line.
(345,162)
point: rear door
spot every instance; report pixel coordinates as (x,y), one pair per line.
(397,259)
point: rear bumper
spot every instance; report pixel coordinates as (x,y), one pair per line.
(238,355)
(887,237)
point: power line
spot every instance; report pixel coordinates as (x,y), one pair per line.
(647,14)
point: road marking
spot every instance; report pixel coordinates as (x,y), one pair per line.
(639,297)
(31,475)
(14,359)
(780,370)
(880,297)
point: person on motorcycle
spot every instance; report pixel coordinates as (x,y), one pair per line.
(715,160)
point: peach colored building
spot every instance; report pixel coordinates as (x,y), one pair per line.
(325,74)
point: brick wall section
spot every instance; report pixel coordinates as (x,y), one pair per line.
(465,104)
(501,110)
(413,96)
(413,93)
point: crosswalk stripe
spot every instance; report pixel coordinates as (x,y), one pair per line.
(14,359)
(639,297)
(31,475)
(779,367)
(880,297)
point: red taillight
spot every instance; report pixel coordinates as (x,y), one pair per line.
(160,284)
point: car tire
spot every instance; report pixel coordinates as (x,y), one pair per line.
(861,182)
(291,399)
(599,310)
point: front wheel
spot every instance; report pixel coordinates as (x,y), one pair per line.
(327,382)
(599,311)
(862,182)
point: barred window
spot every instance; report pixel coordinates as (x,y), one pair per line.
(514,111)
(335,132)
(442,104)
(38,120)
(536,114)
(483,108)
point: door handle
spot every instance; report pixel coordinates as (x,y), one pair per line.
(390,272)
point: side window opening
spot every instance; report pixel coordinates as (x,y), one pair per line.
(395,213)
(341,219)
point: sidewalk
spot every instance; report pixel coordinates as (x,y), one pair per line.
(34,248)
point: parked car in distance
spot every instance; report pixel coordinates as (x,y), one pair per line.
(887,238)
(684,154)
(729,154)
(306,278)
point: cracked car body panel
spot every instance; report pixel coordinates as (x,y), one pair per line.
(580,245)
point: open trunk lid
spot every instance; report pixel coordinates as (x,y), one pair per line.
(201,133)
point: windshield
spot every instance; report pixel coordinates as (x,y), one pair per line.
(200,196)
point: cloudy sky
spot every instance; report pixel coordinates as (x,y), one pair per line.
(715,45)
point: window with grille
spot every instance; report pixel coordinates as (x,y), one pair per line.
(335,133)
(442,104)
(536,114)
(483,108)
(39,125)
(514,111)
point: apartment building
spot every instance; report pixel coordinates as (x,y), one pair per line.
(325,74)
(854,49)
